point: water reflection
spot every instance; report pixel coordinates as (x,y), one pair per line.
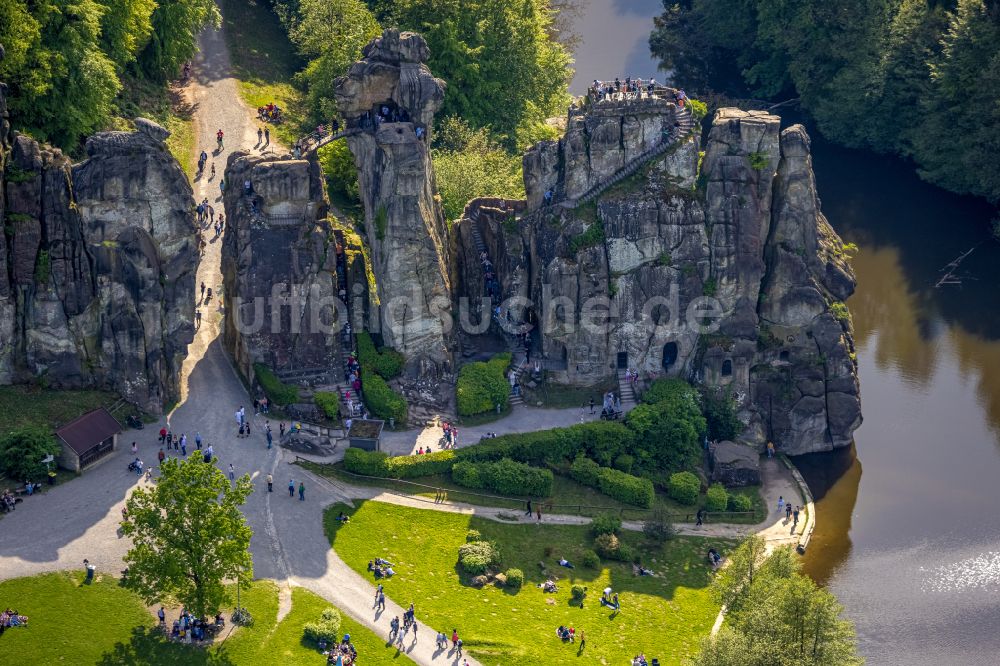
(911,550)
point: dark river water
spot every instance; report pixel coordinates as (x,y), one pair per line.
(908,533)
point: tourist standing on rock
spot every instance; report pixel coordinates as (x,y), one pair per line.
(781,503)
(260,133)
(267,137)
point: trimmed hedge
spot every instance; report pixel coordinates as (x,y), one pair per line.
(716,499)
(385,362)
(378,463)
(626,488)
(328,403)
(605,523)
(506,476)
(382,400)
(368,463)
(585,471)
(684,487)
(279,393)
(613,483)
(590,559)
(600,440)
(483,385)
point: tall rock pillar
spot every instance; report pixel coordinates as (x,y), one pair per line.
(389,97)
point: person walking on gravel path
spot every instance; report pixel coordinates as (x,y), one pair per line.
(260,133)
(267,137)
(197,440)
(291,488)
(232,472)
(270,484)
(218,138)
(302,491)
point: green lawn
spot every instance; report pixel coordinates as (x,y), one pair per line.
(264,61)
(568,496)
(104,623)
(167,107)
(663,616)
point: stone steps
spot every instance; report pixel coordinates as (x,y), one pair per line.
(625,391)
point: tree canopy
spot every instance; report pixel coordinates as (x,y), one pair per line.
(504,68)
(65,58)
(22,451)
(669,426)
(913,77)
(776,616)
(470,163)
(189,536)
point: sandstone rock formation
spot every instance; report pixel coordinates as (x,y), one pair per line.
(734,464)
(279,267)
(737,228)
(403,217)
(97,264)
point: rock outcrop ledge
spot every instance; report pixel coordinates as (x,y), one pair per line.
(97,264)
(738,226)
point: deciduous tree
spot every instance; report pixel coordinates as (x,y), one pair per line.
(189,536)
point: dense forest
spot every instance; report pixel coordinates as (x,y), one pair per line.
(72,65)
(919,78)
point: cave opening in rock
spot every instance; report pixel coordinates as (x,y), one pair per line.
(669,355)
(623,360)
(727,368)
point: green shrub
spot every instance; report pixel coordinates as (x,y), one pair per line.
(505,476)
(277,392)
(684,487)
(626,488)
(585,471)
(590,559)
(477,557)
(624,463)
(329,403)
(599,440)
(716,499)
(626,553)
(698,109)
(326,629)
(605,523)
(657,527)
(515,578)
(578,592)
(592,237)
(409,467)
(840,311)
(740,503)
(758,161)
(473,535)
(383,401)
(483,385)
(719,409)
(368,463)
(607,546)
(21,453)
(385,362)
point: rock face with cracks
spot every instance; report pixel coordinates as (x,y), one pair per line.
(97,264)
(625,281)
(403,219)
(279,266)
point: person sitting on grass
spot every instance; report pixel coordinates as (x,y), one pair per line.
(344,519)
(714,558)
(563,562)
(548,586)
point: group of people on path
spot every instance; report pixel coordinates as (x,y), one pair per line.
(449,439)
(790,512)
